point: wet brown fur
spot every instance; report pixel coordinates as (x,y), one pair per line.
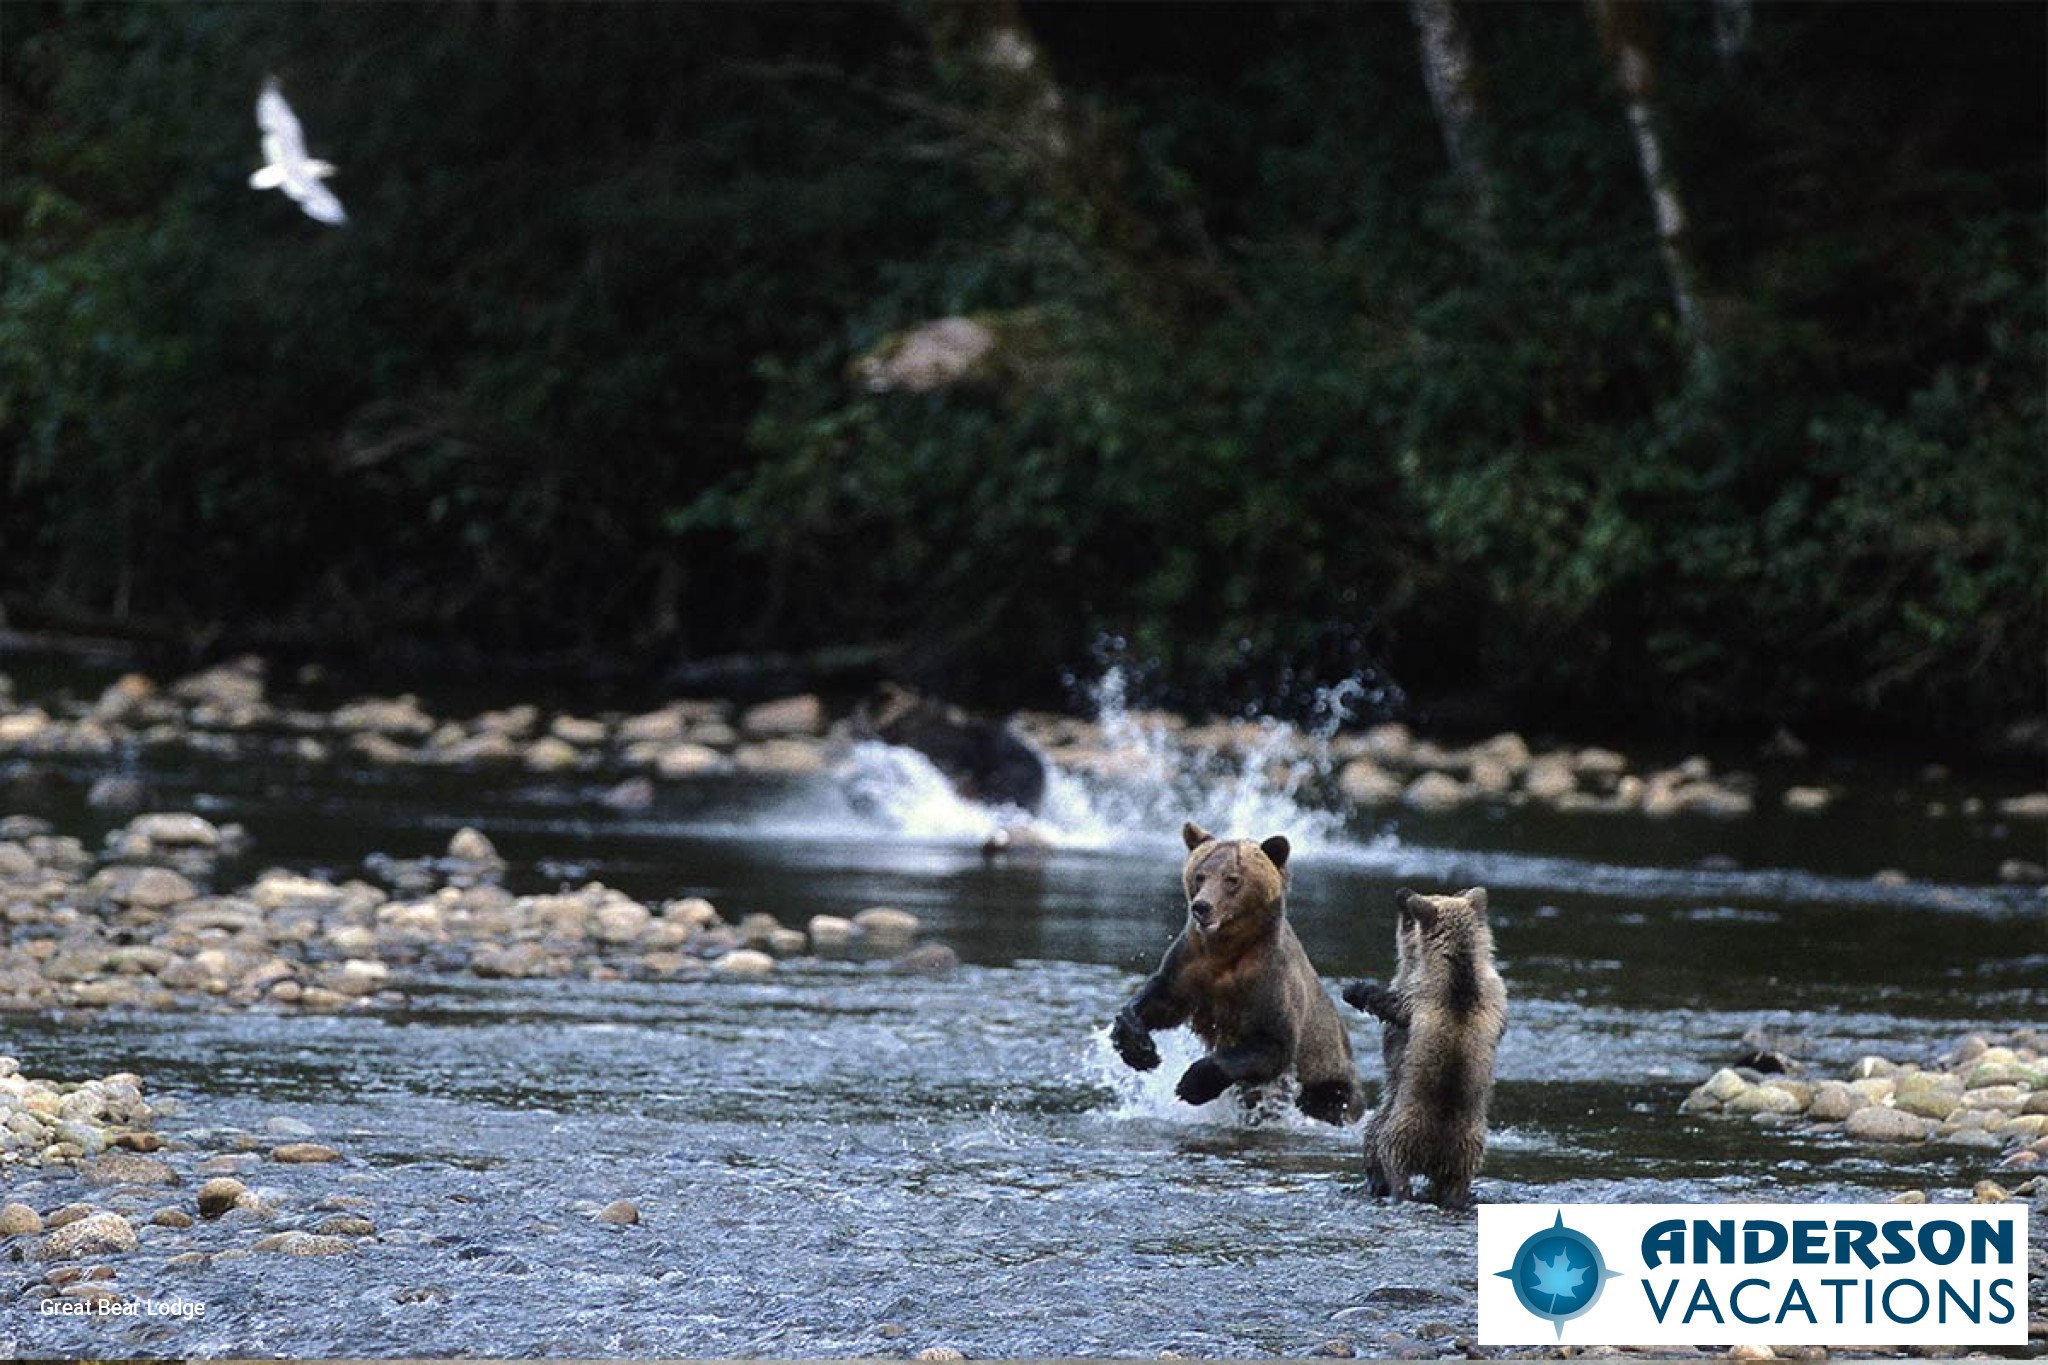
(1443,1014)
(1239,977)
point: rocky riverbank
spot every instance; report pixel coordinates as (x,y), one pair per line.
(108,1215)
(231,710)
(134,925)
(1988,1094)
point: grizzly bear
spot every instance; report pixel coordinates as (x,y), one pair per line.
(1443,1017)
(1238,977)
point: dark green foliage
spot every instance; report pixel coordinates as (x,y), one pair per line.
(580,374)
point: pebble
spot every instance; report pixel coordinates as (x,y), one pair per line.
(303,1153)
(171,1218)
(744,962)
(621,1211)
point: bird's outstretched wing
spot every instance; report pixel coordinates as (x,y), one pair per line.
(283,139)
(319,202)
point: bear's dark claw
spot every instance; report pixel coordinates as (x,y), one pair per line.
(1133,1043)
(1202,1082)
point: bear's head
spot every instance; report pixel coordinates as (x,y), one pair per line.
(1235,888)
(1439,922)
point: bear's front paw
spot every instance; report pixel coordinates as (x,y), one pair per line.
(1369,997)
(1202,1082)
(1133,1043)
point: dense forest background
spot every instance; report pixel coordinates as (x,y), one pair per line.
(1294,340)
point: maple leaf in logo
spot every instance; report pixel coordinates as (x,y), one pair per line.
(1557,1277)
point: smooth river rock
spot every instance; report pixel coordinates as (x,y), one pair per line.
(1875,1123)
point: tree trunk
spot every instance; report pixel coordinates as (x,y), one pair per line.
(1625,34)
(1450,72)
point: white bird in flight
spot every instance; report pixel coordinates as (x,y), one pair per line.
(289,168)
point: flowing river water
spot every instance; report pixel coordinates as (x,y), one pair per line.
(838,1159)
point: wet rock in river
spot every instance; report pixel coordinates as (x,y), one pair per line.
(2032,806)
(780,758)
(630,797)
(96,1234)
(1434,793)
(1366,783)
(623,1212)
(1833,1101)
(1929,1094)
(305,1244)
(886,926)
(684,759)
(1875,1123)
(1807,800)
(171,1218)
(147,835)
(620,920)
(744,962)
(19,1220)
(799,715)
(303,1153)
(400,717)
(127,1168)
(220,1194)
(929,959)
(829,933)
(549,754)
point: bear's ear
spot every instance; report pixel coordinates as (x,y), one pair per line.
(1194,836)
(1476,898)
(1277,848)
(1418,908)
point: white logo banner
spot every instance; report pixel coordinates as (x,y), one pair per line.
(1768,1274)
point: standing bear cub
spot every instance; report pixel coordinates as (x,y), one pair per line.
(1443,1017)
(1237,975)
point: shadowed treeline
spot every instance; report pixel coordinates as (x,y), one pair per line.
(1670,365)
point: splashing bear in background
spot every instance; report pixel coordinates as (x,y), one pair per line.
(288,167)
(1239,978)
(1443,1018)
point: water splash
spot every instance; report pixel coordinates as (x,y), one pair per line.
(1144,772)
(905,791)
(1147,1096)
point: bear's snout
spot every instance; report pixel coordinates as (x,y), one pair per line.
(1201,911)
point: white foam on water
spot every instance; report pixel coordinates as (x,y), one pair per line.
(1147,1096)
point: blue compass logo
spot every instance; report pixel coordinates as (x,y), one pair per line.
(1558,1273)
